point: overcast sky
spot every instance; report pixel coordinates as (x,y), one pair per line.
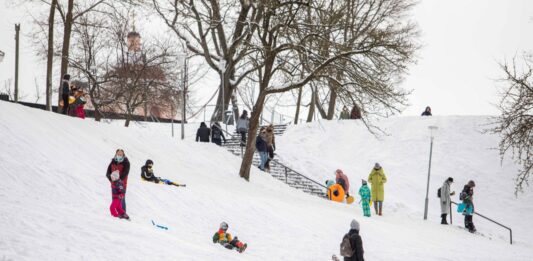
(463,40)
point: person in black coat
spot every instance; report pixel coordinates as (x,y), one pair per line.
(261,146)
(203,133)
(65,92)
(147,172)
(121,164)
(217,134)
(427,112)
(356,242)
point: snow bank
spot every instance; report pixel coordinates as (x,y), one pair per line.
(55,200)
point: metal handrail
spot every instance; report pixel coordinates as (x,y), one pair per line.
(489,219)
(297,173)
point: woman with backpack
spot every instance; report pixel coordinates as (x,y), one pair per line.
(445,199)
(352,244)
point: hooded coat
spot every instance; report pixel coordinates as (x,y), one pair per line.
(445,199)
(356,242)
(203,133)
(342,179)
(377,178)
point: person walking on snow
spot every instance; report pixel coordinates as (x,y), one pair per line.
(261,146)
(203,133)
(121,164)
(217,134)
(445,199)
(242,126)
(467,196)
(345,114)
(342,180)
(271,145)
(364,193)
(65,87)
(117,193)
(377,179)
(224,238)
(352,244)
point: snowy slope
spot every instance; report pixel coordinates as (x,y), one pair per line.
(55,200)
(461,150)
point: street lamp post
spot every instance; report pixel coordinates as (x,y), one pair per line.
(431,130)
(222,67)
(182,60)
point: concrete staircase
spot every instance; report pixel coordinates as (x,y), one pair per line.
(279,170)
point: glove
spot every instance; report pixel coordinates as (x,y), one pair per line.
(453,193)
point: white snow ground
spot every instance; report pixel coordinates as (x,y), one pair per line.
(54,196)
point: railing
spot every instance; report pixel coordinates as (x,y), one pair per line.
(297,173)
(491,220)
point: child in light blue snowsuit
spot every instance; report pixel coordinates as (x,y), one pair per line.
(364,193)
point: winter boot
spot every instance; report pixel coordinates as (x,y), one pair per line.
(376,207)
(380,208)
(124,216)
(242,248)
(443,221)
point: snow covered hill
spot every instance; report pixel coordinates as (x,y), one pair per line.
(54,197)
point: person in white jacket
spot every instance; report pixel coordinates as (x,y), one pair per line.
(445,199)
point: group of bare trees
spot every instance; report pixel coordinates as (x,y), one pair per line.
(358,50)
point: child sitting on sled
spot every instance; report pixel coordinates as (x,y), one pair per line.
(225,239)
(147,174)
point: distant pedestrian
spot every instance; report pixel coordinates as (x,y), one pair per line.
(261,146)
(203,133)
(242,126)
(427,112)
(65,92)
(445,199)
(217,134)
(343,180)
(366,197)
(271,145)
(377,180)
(467,196)
(121,164)
(79,103)
(345,114)
(356,113)
(352,244)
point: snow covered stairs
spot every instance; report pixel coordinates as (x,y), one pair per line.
(279,170)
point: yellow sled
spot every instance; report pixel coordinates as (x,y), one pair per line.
(350,200)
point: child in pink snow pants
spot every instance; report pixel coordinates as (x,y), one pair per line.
(117,190)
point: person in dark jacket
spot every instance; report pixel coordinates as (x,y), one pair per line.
(261,146)
(65,92)
(355,114)
(147,172)
(203,133)
(217,134)
(467,196)
(427,112)
(356,242)
(121,164)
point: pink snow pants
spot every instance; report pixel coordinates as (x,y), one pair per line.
(116,208)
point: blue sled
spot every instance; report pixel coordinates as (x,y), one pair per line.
(461,208)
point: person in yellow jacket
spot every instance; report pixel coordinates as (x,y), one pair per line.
(377,178)
(224,238)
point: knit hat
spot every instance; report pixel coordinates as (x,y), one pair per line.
(471,183)
(377,166)
(354,225)
(115,175)
(224,225)
(363,181)
(149,162)
(450,179)
(66,77)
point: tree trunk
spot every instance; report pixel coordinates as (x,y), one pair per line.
(332,104)
(128,120)
(298,102)
(319,106)
(67,30)
(248,157)
(312,106)
(228,93)
(50,55)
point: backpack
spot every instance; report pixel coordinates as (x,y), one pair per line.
(216,134)
(346,247)
(462,196)
(438,193)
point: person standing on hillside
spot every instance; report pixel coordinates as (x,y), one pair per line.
(117,194)
(79,103)
(467,196)
(242,126)
(217,134)
(203,133)
(345,114)
(121,164)
(261,146)
(377,179)
(271,145)
(356,113)
(364,193)
(445,199)
(65,89)
(427,112)
(352,244)
(342,180)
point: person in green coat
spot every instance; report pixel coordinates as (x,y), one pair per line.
(364,193)
(345,114)
(376,179)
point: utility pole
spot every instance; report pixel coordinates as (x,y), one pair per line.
(184,92)
(432,129)
(17,30)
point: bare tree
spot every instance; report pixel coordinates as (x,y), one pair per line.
(50,54)
(515,124)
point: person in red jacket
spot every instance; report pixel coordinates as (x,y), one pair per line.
(342,179)
(121,164)
(117,192)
